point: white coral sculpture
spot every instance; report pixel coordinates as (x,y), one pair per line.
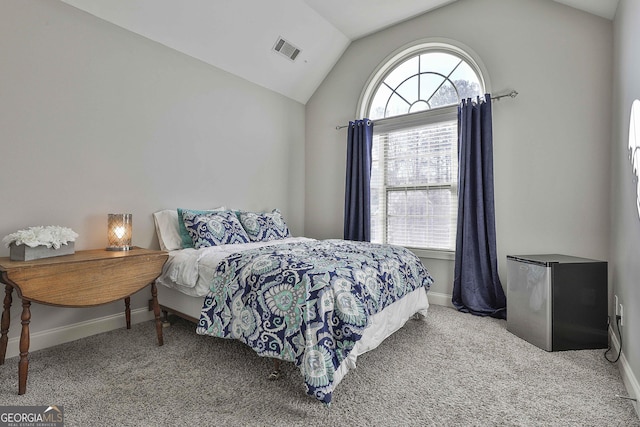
(51,236)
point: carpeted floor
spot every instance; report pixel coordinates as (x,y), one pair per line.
(449,369)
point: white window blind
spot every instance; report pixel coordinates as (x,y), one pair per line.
(414,186)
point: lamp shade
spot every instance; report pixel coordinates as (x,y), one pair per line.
(119,230)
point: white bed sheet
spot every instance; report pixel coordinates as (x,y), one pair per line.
(190,271)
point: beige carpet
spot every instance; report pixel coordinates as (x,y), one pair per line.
(450,369)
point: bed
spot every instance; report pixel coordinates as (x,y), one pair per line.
(316,303)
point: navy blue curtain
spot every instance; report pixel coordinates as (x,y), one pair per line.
(357,195)
(476,285)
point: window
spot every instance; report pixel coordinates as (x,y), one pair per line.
(414,101)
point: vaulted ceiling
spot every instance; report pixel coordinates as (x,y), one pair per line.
(238,36)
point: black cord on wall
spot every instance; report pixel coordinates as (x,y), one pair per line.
(618,318)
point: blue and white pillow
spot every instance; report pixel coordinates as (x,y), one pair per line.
(263,227)
(214,228)
(185,237)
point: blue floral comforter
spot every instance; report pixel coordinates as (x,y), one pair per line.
(308,302)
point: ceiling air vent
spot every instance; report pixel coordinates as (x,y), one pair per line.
(287,49)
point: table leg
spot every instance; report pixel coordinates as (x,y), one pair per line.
(156,312)
(23,364)
(6,320)
(127,311)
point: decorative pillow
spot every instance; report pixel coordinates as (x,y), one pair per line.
(214,228)
(262,227)
(185,237)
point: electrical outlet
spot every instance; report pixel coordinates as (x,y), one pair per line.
(621,316)
(615,297)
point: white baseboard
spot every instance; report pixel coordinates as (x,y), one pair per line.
(628,377)
(76,331)
(437,298)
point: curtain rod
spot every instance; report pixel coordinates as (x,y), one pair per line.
(511,94)
(346,126)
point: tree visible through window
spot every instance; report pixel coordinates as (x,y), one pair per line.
(415,168)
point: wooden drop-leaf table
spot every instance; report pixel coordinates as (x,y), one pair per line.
(83,279)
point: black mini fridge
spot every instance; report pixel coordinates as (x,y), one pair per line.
(557,302)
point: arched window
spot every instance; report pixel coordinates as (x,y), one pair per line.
(413,99)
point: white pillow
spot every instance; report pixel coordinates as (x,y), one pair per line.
(168,230)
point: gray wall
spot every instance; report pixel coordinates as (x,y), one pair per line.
(551,147)
(95,119)
(625,238)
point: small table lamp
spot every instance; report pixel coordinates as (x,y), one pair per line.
(119,232)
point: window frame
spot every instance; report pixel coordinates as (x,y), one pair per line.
(420,118)
(403,53)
